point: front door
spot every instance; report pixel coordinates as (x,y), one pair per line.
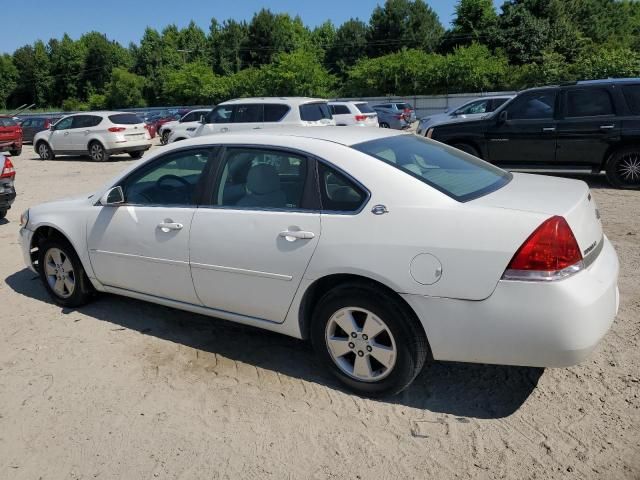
(588,128)
(143,245)
(60,137)
(528,134)
(250,249)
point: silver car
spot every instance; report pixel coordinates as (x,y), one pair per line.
(472,109)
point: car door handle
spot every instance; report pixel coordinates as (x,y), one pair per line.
(224,129)
(606,127)
(66,133)
(87,132)
(549,129)
(166,227)
(293,235)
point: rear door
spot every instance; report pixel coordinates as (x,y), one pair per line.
(248,116)
(83,126)
(251,247)
(528,135)
(341,114)
(589,125)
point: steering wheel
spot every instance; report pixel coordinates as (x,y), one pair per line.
(169,176)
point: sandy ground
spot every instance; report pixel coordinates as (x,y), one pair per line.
(126,389)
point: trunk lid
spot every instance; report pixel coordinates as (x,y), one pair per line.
(570,199)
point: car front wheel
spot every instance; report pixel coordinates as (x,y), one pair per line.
(623,168)
(62,273)
(44,151)
(368,339)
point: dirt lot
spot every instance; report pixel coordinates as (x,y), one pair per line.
(126,389)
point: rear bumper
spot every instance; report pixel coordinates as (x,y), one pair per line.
(7,196)
(10,144)
(129,146)
(536,324)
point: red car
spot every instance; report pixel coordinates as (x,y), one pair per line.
(10,136)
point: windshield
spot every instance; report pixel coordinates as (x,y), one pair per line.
(461,176)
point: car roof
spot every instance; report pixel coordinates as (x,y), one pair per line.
(605,80)
(290,100)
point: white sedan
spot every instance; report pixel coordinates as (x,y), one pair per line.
(386,249)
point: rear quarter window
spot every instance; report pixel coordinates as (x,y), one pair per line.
(125,119)
(589,102)
(275,112)
(313,112)
(632,96)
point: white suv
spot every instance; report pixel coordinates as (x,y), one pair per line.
(188,120)
(100,134)
(266,112)
(354,113)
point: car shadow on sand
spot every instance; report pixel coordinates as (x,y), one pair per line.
(465,390)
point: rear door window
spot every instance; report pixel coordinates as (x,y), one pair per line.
(274,112)
(588,102)
(249,113)
(339,109)
(337,192)
(632,96)
(533,106)
(313,112)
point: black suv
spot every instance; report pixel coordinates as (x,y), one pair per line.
(591,125)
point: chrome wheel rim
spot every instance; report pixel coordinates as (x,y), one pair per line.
(360,344)
(59,273)
(43,151)
(629,168)
(96,152)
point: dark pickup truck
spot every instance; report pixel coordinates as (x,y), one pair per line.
(592,125)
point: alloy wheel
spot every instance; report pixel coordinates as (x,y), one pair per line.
(43,151)
(628,168)
(360,344)
(97,152)
(59,272)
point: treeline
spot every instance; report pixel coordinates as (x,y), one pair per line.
(403,49)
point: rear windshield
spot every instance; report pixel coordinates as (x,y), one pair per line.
(125,119)
(632,95)
(364,108)
(454,173)
(312,112)
(404,106)
(8,122)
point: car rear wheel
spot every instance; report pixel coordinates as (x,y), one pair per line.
(97,152)
(368,340)
(623,168)
(45,152)
(3,213)
(165,137)
(16,153)
(62,273)
(466,148)
(137,154)
(384,125)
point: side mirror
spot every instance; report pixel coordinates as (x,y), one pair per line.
(502,116)
(203,119)
(447,110)
(52,128)
(112,197)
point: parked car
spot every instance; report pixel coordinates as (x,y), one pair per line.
(384,248)
(10,136)
(7,188)
(99,134)
(353,113)
(161,118)
(397,108)
(265,112)
(472,109)
(32,125)
(192,118)
(151,128)
(592,125)
(394,120)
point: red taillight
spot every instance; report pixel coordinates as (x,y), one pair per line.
(7,169)
(551,252)
(361,118)
(398,117)
(116,129)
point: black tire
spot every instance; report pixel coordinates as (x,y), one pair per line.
(412,348)
(137,154)
(465,147)
(179,139)
(164,138)
(97,152)
(16,153)
(44,151)
(623,168)
(3,213)
(384,125)
(82,291)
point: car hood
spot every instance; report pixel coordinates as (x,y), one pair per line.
(65,203)
(468,120)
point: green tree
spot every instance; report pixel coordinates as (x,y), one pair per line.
(349,46)
(403,23)
(298,73)
(322,38)
(124,90)
(475,21)
(67,67)
(194,83)
(34,76)
(102,56)
(8,78)
(192,43)
(226,43)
